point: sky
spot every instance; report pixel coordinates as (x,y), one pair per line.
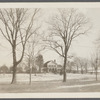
(84,46)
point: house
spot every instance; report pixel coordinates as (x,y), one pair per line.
(52,66)
(59,68)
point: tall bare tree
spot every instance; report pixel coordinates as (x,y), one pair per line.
(77,64)
(95,61)
(67,25)
(34,47)
(17,27)
(83,64)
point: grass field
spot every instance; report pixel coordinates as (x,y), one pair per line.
(49,83)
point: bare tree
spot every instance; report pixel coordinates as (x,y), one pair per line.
(95,63)
(64,28)
(83,65)
(17,27)
(77,64)
(86,64)
(34,47)
(30,55)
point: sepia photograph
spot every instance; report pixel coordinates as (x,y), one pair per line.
(49,48)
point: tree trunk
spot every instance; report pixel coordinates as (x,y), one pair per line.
(81,69)
(14,66)
(77,70)
(30,70)
(96,74)
(86,69)
(92,70)
(14,74)
(64,70)
(30,75)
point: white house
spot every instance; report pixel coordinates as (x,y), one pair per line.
(53,66)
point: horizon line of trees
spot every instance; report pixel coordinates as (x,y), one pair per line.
(78,65)
(24,67)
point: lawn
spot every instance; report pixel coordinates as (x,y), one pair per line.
(49,83)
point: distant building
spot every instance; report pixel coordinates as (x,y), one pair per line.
(52,66)
(59,68)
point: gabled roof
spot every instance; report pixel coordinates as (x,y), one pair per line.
(45,64)
(53,62)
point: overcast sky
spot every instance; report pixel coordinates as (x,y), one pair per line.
(82,47)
